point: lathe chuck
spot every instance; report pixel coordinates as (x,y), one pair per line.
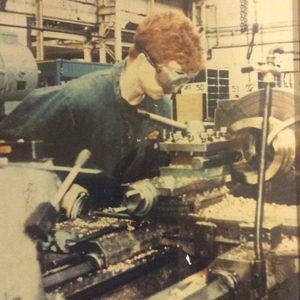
(243,120)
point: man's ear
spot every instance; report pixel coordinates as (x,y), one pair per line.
(135,60)
(141,60)
(141,57)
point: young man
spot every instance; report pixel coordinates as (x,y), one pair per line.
(98,111)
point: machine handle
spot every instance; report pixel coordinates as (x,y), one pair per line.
(163,120)
(45,215)
(82,158)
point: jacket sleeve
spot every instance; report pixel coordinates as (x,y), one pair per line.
(39,116)
(44,115)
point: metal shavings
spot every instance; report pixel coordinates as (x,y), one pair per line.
(109,210)
(128,263)
(211,194)
(120,267)
(87,227)
(130,227)
(144,254)
(243,210)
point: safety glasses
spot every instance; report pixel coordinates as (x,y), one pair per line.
(170,80)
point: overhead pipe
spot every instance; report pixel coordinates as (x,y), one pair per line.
(101,32)
(216,19)
(40,35)
(84,3)
(50,29)
(118,35)
(151,4)
(227,32)
(264,44)
(230,29)
(194,19)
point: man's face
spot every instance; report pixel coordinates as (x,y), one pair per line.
(172,78)
(157,80)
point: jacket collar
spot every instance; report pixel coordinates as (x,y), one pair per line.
(116,74)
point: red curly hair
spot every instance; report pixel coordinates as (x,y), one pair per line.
(169,36)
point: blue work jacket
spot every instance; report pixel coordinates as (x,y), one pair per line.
(89,113)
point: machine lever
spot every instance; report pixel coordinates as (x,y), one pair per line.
(111,215)
(45,216)
(163,120)
(82,158)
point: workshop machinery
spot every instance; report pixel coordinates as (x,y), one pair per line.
(188,214)
(190,232)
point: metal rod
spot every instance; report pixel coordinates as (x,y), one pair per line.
(229,46)
(111,215)
(84,3)
(262,172)
(69,274)
(50,29)
(133,13)
(227,31)
(63,261)
(260,264)
(48,18)
(163,120)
